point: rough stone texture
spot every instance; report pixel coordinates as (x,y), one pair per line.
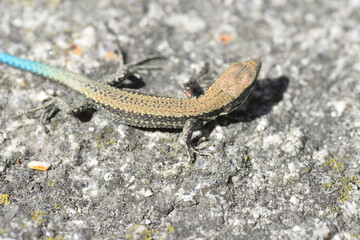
(286,166)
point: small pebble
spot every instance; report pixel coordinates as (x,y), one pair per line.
(37,165)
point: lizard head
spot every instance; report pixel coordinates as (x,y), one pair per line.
(238,81)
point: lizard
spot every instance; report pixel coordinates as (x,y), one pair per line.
(134,108)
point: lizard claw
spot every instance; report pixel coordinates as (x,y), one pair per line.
(193,151)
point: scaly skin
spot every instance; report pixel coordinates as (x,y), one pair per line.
(138,109)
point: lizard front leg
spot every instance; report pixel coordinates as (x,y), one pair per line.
(188,130)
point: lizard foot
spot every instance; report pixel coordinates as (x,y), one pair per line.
(50,111)
(193,151)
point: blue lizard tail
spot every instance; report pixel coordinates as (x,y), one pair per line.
(73,80)
(31,66)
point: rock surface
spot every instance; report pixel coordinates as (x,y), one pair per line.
(286,165)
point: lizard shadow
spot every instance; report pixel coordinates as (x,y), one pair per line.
(267,93)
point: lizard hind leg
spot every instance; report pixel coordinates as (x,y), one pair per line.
(130,70)
(83,111)
(50,109)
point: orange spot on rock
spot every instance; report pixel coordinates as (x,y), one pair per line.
(77,50)
(111,56)
(226,39)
